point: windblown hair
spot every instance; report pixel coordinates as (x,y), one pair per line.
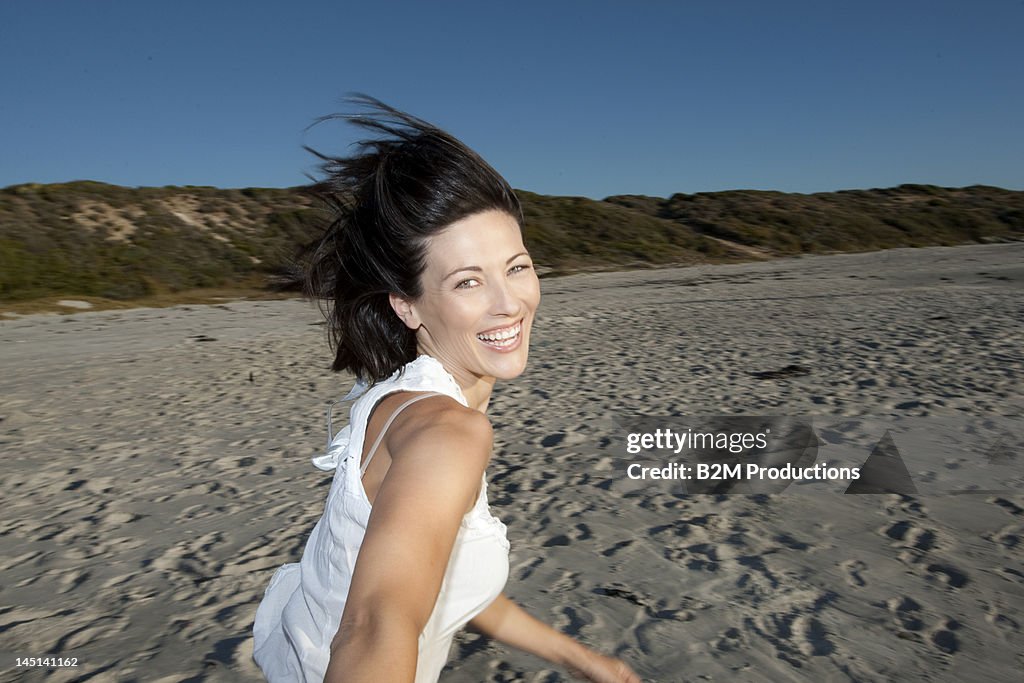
(399,189)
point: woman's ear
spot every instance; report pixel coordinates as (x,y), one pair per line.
(404,310)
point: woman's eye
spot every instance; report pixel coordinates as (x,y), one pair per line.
(519,268)
(466,284)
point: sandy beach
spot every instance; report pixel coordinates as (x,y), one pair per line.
(157,470)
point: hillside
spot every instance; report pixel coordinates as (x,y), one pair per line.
(850,220)
(97,240)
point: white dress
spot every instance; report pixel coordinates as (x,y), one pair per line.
(302,606)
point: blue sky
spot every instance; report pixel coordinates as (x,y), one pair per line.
(574,97)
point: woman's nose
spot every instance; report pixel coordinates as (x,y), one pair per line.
(503,300)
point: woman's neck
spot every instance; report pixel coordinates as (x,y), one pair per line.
(477,391)
(475,388)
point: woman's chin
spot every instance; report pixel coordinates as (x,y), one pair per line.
(509,367)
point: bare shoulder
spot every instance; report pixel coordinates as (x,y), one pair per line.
(440,423)
(439,450)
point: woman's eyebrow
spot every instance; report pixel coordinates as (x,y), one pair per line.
(478,269)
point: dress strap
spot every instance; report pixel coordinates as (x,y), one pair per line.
(384,429)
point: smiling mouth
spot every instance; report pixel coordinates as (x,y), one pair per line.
(503,338)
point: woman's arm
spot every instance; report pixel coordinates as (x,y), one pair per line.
(509,623)
(438,455)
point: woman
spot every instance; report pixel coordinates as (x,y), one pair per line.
(431,298)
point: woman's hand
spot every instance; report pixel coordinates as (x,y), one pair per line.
(508,623)
(596,667)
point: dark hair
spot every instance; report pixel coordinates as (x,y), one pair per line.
(386,200)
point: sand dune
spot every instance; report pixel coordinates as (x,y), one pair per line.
(156,471)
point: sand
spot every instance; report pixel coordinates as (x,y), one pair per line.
(156,472)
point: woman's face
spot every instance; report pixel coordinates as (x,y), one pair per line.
(480,293)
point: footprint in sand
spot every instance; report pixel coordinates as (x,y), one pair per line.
(794,630)
(728,640)
(571,620)
(191,560)
(72,579)
(812,637)
(76,639)
(948,574)
(524,570)
(621,592)
(997,617)
(907,613)
(1008,505)
(469,644)
(580,532)
(1009,537)
(911,535)
(943,637)
(854,570)
(566,583)
(609,552)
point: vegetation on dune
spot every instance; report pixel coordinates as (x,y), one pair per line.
(850,220)
(575,233)
(91,239)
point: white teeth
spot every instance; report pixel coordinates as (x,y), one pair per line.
(505,335)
